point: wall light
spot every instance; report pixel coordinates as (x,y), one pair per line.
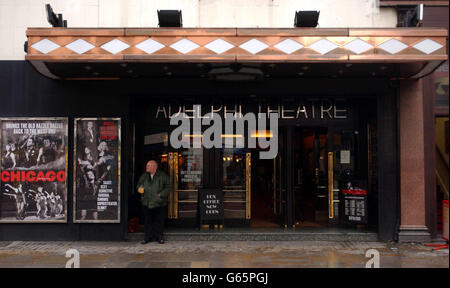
(261,134)
(170,18)
(55,21)
(306,18)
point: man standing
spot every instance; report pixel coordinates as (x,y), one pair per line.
(154,187)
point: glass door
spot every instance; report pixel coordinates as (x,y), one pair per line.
(279,190)
(325,165)
(236,179)
(310,177)
(321,176)
(279,180)
(342,171)
(186,174)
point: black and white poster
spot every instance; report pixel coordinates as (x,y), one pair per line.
(355,204)
(33,186)
(97,170)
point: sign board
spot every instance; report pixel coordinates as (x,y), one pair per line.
(355,206)
(96,194)
(210,204)
(33,186)
(345,156)
(445,219)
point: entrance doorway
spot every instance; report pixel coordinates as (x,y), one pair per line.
(268,188)
(262,198)
(292,190)
(311,177)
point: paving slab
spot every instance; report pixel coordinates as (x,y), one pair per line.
(221,254)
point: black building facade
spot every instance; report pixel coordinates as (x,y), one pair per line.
(339,117)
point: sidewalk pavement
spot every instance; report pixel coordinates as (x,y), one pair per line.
(218,254)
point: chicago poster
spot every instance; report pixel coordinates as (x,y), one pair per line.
(33,186)
(97,170)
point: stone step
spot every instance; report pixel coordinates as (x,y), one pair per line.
(275,235)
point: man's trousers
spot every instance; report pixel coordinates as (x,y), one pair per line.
(154,222)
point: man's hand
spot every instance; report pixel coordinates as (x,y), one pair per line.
(141,190)
(159,196)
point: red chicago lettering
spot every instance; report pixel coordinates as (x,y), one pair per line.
(5,176)
(61,176)
(15,176)
(31,176)
(41,176)
(51,175)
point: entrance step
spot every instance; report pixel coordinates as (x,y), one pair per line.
(272,234)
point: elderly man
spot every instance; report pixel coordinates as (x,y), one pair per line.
(154,187)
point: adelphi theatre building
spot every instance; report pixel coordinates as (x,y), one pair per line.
(347,95)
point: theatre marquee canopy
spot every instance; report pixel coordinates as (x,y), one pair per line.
(97,53)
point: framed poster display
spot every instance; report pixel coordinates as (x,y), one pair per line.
(33,173)
(96,176)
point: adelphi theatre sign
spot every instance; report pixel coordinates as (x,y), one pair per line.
(195,129)
(311,109)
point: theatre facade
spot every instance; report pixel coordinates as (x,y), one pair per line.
(350,135)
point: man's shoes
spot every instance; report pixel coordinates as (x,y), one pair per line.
(145,241)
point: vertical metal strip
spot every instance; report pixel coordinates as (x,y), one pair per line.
(175,185)
(280,188)
(330,186)
(248,186)
(170,212)
(274,180)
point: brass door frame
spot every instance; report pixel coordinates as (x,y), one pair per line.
(330,185)
(248,185)
(173,195)
(175,186)
(332,198)
(170,206)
